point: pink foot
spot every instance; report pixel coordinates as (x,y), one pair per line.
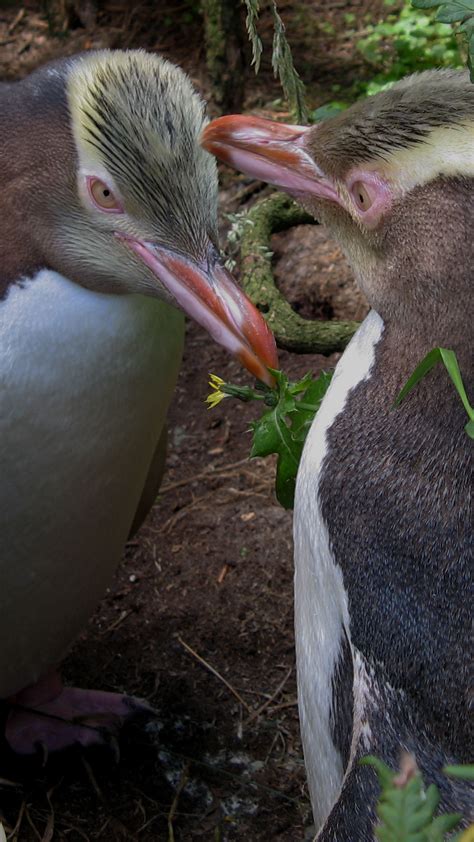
(49,717)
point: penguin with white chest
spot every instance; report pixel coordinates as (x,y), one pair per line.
(383,523)
(108,224)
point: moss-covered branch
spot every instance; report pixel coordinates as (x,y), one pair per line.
(277,213)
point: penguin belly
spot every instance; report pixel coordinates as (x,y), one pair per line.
(85,383)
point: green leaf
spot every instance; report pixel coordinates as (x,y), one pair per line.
(253,9)
(324,112)
(282,59)
(425,4)
(283,428)
(272,435)
(284,68)
(455,12)
(452,12)
(466,773)
(448,357)
(305,409)
(421,371)
(443,824)
(449,360)
(409,40)
(405,809)
(384,773)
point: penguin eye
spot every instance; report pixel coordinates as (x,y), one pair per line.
(102,196)
(361,196)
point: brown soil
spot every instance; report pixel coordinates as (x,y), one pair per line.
(314,276)
(209,576)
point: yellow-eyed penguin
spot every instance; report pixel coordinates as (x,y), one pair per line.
(383,523)
(108,223)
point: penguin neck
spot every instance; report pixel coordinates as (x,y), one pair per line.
(417,270)
(405,342)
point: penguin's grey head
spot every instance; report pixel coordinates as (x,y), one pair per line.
(123,198)
(393,177)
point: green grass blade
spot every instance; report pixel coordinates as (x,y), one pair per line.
(451,364)
(449,360)
(421,371)
(469,428)
(465,773)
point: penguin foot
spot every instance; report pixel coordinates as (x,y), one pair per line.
(48,717)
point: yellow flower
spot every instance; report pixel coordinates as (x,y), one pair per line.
(468,835)
(213,399)
(215,382)
(217,395)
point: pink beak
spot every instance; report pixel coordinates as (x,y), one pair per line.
(208,294)
(273,152)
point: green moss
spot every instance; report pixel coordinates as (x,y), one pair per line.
(277,213)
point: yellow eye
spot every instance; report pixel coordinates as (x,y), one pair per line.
(102,196)
(361,196)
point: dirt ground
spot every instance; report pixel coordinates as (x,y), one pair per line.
(199,620)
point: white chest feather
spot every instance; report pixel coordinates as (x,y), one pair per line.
(85,382)
(321,606)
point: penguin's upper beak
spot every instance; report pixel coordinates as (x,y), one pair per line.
(207,293)
(273,152)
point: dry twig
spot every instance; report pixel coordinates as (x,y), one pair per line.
(206,474)
(216,673)
(16,20)
(19,820)
(262,708)
(118,622)
(32,824)
(49,829)
(182,783)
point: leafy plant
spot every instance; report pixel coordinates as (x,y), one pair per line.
(283,67)
(406,810)
(238,223)
(408,41)
(253,9)
(449,360)
(282,58)
(457,12)
(283,427)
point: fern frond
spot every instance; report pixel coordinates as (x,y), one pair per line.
(253,10)
(284,68)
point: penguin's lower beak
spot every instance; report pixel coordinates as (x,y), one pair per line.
(208,294)
(273,152)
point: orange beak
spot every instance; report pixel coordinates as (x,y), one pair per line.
(207,293)
(273,152)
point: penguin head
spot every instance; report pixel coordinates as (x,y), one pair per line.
(140,173)
(392,177)
(123,198)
